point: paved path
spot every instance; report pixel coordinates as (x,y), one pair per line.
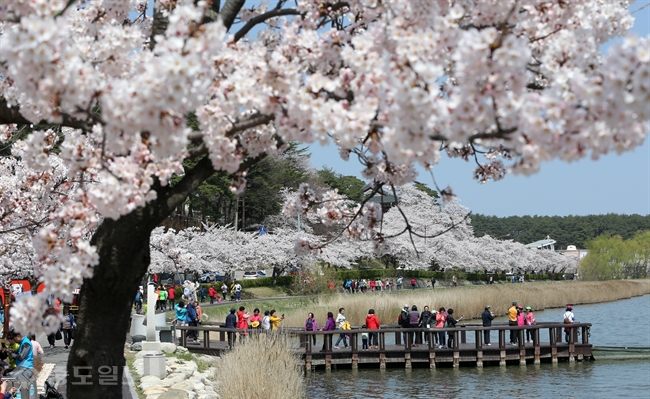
(55,370)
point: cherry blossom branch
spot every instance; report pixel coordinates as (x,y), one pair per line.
(230,10)
(25,226)
(375,190)
(248,122)
(11,114)
(263,17)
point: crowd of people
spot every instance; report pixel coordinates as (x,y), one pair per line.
(165,295)
(352,286)
(409,319)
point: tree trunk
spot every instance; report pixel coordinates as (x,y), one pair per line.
(106,299)
(105,306)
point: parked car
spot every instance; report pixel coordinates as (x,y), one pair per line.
(261,274)
(249,275)
(208,277)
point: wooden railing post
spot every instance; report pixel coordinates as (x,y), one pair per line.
(522,347)
(354,344)
(382,350)
(536,344)
(308,342)
(502,347)
(552,333)
(463,336)
(456,347)
(478,339)
(573,331)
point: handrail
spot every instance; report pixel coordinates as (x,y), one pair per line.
(399,329)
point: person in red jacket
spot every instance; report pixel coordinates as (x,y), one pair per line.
(372,323)
(171,296)
(212,293)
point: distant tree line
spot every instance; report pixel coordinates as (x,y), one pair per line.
(612,257)
(566,230)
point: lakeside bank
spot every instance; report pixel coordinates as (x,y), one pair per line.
(467,300)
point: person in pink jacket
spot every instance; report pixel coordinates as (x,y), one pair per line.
(530,320)
(521,318)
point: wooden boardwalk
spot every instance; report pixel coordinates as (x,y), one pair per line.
(547,345)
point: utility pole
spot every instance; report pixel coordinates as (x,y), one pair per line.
(236,214)
(7,300)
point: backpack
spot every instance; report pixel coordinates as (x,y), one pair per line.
(405,321)
(310,325)
(138,297)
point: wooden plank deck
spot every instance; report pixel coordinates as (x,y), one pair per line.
(421,354)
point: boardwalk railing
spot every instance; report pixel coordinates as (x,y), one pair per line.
(547,343)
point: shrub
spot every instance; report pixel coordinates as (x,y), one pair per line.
(313,282)
(269,360)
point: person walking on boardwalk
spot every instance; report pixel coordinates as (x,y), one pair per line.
(414,322)
(256,319)
(372,323)
(340,320)
(530,321)
(181,314)
(441,319)
(330,325)
(242,320)
(275,320)
(512,321)
(266,321)
(451,323)
(425,321)
(199,312)
(192,321)
(521,321)
(403,321)
(231,322)
(569,318)
(487,316)
(311,325)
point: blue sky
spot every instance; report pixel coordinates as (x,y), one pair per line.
(613,184)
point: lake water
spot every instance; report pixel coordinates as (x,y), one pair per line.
(619,323)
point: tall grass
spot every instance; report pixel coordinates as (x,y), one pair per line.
(469,301)
(262,367)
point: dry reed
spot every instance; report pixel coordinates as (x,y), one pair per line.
(261,367)
(470,300)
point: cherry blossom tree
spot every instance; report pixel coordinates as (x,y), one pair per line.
(395,83)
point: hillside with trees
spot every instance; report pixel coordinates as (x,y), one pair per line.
(566,230)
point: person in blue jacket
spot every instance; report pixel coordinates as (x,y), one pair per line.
(192,321)
(231,322)
(24,357)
